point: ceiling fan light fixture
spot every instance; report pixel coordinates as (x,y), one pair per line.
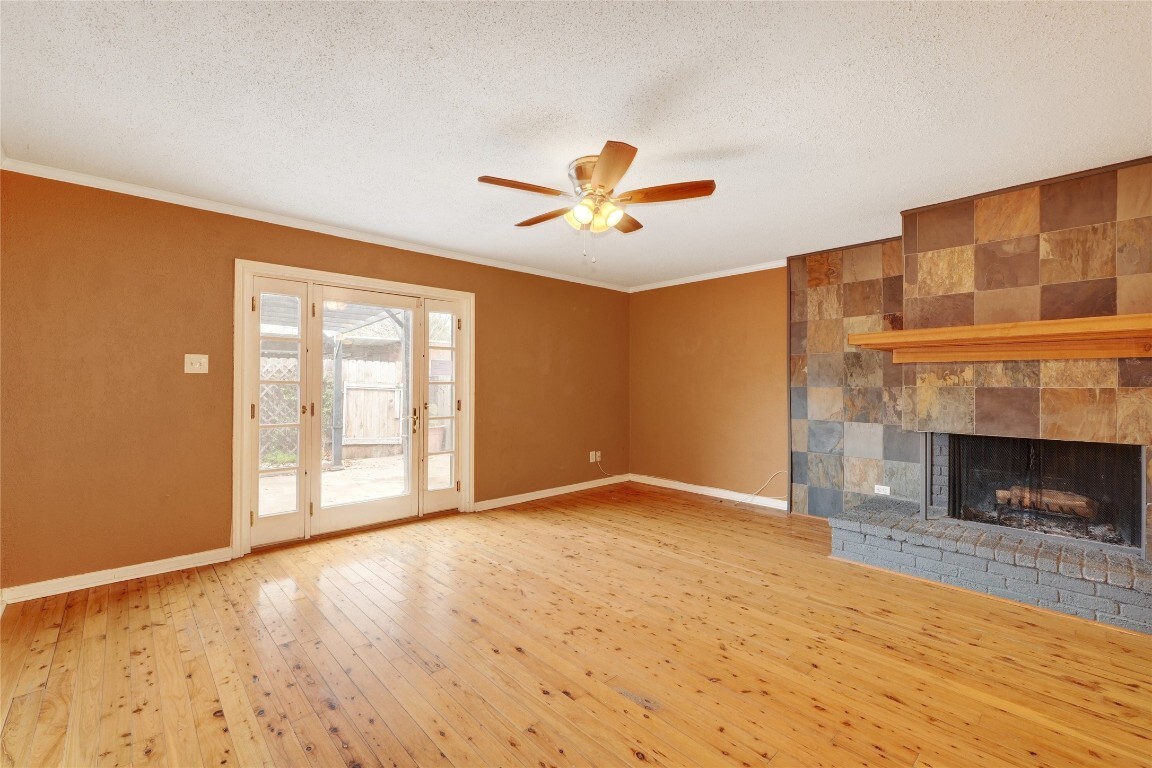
(612,214)
(584,211)
(572,221)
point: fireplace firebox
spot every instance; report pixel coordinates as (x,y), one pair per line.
(1089,491)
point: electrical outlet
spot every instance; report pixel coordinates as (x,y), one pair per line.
(591,457)
(882,490)
(597,455)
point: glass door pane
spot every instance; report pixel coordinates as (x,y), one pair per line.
(441,407)
(279,411)
(366,413)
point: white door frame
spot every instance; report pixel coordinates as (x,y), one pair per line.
(245,271)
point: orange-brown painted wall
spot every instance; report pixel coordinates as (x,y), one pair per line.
(115,456)
(709,382)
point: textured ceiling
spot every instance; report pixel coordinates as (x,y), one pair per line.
(819,121)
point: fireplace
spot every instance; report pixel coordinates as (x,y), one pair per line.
(1087,491)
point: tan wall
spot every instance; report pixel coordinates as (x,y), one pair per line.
(115,456)
(709,382)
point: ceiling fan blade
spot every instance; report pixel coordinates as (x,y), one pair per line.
(521,185)
(543,217)
(612,164)
(628,224)
(664,193)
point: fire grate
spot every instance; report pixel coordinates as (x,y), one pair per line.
(1080,490)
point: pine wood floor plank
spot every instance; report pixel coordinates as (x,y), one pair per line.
(625,625)
(55,706)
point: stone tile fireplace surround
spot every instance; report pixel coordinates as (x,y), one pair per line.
(1076,247)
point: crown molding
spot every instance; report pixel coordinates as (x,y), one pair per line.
(188,201)
(775,264)
(203,204)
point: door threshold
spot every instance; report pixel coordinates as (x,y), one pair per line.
(349,531)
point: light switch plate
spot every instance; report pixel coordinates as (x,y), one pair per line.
(195,363)
(883,490)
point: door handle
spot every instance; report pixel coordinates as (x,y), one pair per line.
(415,420)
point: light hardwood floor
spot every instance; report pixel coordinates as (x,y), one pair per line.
(621,626)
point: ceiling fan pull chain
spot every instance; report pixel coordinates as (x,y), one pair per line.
(585,236)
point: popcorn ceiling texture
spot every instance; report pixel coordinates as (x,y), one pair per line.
(819,121)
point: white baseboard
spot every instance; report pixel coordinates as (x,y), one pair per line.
(703,490)
(59,586)
(719,493)
(482,506)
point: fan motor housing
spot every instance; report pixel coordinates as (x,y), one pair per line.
(580,172)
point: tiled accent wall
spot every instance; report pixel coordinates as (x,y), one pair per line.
(1073,248)
(846,403)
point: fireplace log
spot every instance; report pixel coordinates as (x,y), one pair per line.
(1059,502)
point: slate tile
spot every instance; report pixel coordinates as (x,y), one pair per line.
(824,269)
(826,370)
(893,401)
(864,440)
(1078,414)
(1008,215)
(1007,373)
(825,437)
(945,409)
(862,475)
(1134,246)
(825,470)
(825,502)
(797,273)
(945,226)
(800,434)
(797,338)
(1007,305)
(825,404)
(799,504)
(1134,294)
(1134,372)
(892,289)
(864,404)
(798,370)
(860,324)
(961,374)
(893,372)
(800,467)
(864,262)
(1134,416)
(1078,202)
(1090,298)
(951,270)
(863,298)
(892,258)
(1079,373)
(1008,412)
(798,402)
(825,303)
(908,238)
(1134,192)
(825,336)
(798,306)
(863,369)
(1007,264)
(1083,253)
(894,321)
(904,478)
(911,275)
(901,445)
(941,311)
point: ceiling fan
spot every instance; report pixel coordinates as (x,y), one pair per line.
(598,207)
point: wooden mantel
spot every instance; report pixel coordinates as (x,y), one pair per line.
(1081,337)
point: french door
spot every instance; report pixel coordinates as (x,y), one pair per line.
(354,409)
